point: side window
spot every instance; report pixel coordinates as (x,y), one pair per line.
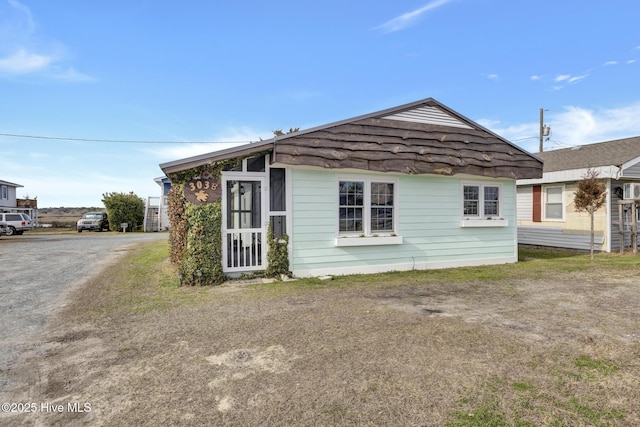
(366,207)
(553,206)
(351,207)
(381,207)
(491,201)
(481,201)
(471,202)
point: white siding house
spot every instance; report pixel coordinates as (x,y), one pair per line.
(8,198)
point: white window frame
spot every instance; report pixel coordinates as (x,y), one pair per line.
(545,190)
(367,236)
(481,219)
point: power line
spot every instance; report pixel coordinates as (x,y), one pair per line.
(523,139)
(59,138)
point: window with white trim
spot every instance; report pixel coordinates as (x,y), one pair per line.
(366,207)
(481,201)
(553,204)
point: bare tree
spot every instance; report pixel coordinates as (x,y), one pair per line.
(591,195)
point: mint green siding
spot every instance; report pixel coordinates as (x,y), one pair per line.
(429,215)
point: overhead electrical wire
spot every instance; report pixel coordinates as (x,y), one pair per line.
(125,141)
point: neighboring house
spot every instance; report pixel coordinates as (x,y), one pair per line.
(8,197)
(156,216)
(546,212)
(9,202)
(413,187)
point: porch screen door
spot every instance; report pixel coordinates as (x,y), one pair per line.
(244,246)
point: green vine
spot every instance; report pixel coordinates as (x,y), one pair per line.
(202,260)
(277,254)
(195,234)
(178,221)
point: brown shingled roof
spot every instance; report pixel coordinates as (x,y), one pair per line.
(605,153)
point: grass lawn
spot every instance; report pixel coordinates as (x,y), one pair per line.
(552,340)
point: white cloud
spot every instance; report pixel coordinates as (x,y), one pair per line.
(578,125)
(576,79)
(574,126)
(610,63)
(228,138)
(535,77)
(567,79)
(71,75)
(25,51)
(406,20)
(632,61)
(22,62)
(24,9)
(493,76)
(16,22)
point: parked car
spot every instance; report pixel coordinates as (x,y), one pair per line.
(3,228)
(17,223)
(97,221)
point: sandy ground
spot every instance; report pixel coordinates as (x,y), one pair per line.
(561,348)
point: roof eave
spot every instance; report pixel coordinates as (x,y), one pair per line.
(11,184)
(216,156)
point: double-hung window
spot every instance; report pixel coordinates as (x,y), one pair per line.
(553,206)
(481,201)
(366,207)
(351,206)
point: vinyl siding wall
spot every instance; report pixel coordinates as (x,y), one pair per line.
(430,211)
(10,200)
(572,232)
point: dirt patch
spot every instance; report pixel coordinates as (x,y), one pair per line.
(424,353)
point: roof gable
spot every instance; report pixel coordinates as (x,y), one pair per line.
(418,138)
(428,115)
(423,137)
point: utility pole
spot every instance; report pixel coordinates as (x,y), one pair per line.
(544,130)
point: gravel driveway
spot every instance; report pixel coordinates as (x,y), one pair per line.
(38,270)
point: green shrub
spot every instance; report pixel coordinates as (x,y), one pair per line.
(124,208)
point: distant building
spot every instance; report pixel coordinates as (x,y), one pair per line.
(10,203)
(156,217)
(8,194)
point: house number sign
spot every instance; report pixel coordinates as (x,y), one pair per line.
(202,190)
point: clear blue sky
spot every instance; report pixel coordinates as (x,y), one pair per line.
(184,71)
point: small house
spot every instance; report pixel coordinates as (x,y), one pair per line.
(8,198)
(417,186)
(546,213)
(9,202)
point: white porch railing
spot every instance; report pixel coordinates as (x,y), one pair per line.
(243,250)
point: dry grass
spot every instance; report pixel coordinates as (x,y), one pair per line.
(553,340)
(63,217)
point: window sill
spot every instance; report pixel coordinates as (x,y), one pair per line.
(484,223)
(368,241)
